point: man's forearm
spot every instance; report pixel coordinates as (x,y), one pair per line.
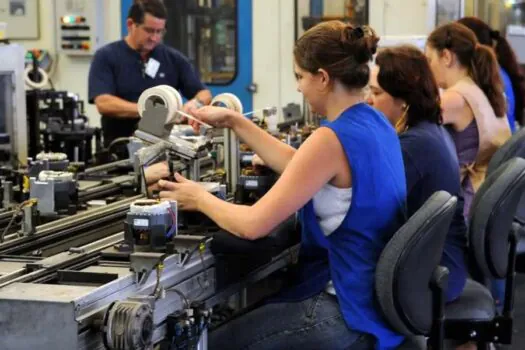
(113,106)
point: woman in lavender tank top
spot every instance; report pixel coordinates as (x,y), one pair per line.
(473,102)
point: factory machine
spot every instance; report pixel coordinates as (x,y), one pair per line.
(56,123)
(151,284)
(137,273)
(52,188)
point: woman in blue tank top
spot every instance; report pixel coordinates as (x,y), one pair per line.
(348,182)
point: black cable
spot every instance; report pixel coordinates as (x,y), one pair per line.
(205,272)
(143,174)
(206,282)
(182,296)
(171,171)
(51,84)
(15,214)
(156,290)
(117,141)
(8,226)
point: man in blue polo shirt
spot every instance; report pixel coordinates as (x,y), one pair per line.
(122,70)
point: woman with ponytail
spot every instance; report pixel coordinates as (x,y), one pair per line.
(509,69)
(513,83)
(473,102)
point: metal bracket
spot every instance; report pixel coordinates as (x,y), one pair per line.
(143,263)
(153,120)
(29,222)
(186,245)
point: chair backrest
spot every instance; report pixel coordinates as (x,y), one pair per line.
(514,147)
(491,217)
(407,263)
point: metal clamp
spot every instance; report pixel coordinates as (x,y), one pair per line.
(143,263)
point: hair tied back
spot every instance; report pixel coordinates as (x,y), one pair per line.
(357,33)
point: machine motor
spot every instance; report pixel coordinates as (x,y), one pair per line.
(150,224)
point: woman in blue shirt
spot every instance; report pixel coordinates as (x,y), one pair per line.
(348,182)
(403,87)
(510,71)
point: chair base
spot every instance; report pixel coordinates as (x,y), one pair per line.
(498,330)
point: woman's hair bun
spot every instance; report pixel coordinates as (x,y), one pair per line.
(360,42)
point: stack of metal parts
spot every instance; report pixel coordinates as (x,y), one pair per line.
(47,161)
(55,191)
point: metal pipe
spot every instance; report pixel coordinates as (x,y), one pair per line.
(69,225)
(8,194)
(105,167)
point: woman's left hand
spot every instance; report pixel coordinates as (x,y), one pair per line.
(187,193)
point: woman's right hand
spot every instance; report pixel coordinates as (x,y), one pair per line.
(218,117)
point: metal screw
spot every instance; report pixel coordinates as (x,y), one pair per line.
(473,334)
(497,324)
(496,338)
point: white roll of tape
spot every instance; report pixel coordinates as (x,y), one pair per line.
(164,95)
(228,100)
(33,84)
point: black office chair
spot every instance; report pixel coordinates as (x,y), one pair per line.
(514,147)
(492,253)
(409,283)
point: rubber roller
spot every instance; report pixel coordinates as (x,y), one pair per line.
(229,101)
(163,95)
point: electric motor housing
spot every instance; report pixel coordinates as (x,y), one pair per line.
(150,224)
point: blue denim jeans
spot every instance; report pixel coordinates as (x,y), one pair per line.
(314,323)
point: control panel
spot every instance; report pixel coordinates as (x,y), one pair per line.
(79,26)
